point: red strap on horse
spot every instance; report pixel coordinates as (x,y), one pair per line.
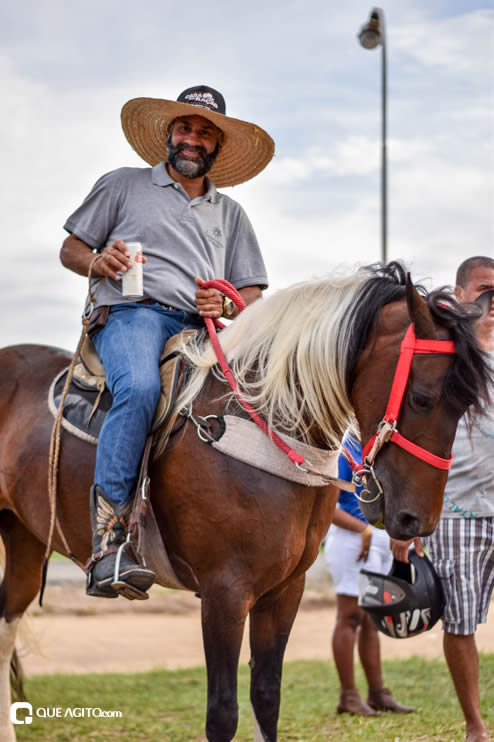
(387,429)
(421,453)
(232,293)
(409,346)
(354,465)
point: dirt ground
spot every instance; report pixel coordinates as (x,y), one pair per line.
(76,634)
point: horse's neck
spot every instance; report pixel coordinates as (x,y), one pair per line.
(215,398)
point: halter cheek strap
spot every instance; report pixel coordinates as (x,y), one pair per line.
(387,430)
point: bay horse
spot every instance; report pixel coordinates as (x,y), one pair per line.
(312,359)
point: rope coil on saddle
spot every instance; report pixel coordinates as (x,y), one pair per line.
(54,455)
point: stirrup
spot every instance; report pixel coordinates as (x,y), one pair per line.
(120,586)
(128,591)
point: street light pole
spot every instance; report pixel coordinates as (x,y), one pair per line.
(371,35)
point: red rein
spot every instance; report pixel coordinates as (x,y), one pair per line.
(232,293)
(387,429)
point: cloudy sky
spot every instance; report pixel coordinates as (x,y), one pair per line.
(294,67)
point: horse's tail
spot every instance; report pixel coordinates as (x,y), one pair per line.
(25,638)
(17,677)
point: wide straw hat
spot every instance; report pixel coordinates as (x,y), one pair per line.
(246,148)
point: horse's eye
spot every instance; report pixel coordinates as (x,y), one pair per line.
(421,402)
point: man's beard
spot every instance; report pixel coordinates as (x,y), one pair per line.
(191,168)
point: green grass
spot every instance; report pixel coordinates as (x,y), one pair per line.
(169,706)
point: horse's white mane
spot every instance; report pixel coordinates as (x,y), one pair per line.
(288,355)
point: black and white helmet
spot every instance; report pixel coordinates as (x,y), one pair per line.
(407,601)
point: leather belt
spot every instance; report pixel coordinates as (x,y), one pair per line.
(165,306)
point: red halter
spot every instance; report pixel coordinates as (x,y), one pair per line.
(387,428)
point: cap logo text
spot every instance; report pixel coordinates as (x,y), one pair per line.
(204,99)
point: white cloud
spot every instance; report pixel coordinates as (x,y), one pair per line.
(297,69)
(352,156)
(457,43)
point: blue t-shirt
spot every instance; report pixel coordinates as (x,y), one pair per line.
(347,500)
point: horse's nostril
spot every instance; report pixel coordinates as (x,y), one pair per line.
(409,525)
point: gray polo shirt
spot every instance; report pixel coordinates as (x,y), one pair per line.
(469,491)
(209,236)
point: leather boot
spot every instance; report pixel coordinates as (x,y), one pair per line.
(383,700)
(109,523)
(351,703)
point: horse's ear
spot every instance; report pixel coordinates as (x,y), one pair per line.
(419,312)
(485,302)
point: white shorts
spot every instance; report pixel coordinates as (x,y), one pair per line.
(341,550)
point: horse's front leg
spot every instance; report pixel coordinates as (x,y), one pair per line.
(271,620)
(224,608)
(21,582)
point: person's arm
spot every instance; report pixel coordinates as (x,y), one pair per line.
(77,256)
(249,294)
(350,523)
(209,302)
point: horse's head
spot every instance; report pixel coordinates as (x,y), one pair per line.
(408,461)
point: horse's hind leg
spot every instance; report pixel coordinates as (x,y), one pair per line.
(224,608)
(271,620)
(20,585)
(8,633)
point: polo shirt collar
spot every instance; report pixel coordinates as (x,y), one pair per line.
(161,177)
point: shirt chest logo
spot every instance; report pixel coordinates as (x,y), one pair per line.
(215,235)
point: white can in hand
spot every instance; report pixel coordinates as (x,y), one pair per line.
(132,279)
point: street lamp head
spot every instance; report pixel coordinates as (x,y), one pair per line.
(371,35)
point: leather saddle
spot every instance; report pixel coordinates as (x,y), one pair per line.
(88,399)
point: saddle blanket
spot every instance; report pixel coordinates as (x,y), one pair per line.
(246,442)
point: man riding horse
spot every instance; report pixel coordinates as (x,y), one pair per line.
(189,233)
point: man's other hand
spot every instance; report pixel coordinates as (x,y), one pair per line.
(114,258)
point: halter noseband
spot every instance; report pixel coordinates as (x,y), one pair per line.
(387,429)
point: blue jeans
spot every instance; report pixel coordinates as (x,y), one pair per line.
(129,346)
